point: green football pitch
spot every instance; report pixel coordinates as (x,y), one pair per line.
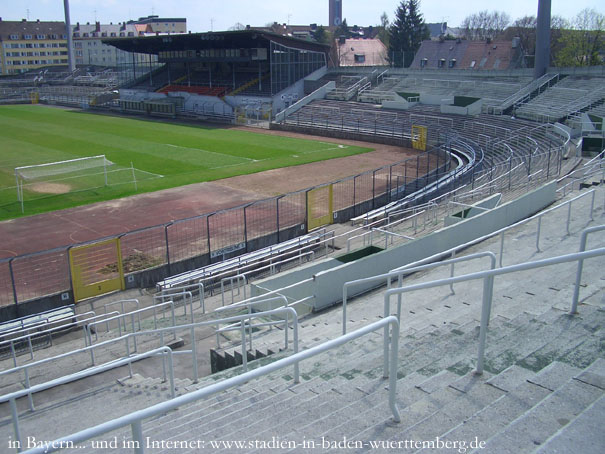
(158,155)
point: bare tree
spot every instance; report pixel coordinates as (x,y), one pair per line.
(485,24)
(237,26)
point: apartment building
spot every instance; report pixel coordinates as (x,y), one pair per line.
(26,45)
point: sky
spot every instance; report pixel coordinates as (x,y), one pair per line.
(203,15)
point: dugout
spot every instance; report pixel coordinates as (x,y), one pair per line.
(241,68)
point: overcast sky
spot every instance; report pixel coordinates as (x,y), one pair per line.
(204,15)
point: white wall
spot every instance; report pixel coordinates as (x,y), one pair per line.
(320,93)
(328,284)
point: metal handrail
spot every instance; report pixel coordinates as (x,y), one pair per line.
(170,291)
(488,277)
(135,419)
(583,239)
(242,327)
(399,272)
(121,303)
(46,327)
(25,317)
(454,249)
(57,328)
(119,317)
(12,397)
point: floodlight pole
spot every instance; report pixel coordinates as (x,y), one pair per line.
(70,47)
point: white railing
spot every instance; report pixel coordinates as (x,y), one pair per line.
(135,419)
(29,391)
(406,269)
(400,272)
(134,317)
(83,323)
(488,288)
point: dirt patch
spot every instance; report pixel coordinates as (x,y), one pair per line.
(135,262)
(50,188)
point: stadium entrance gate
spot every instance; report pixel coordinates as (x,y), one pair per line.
(320,207)
(96,269)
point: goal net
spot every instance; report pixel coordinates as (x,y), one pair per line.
(35,181)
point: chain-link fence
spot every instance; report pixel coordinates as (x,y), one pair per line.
(212,237)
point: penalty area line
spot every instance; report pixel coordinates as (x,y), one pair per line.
(211,152)
(339,147)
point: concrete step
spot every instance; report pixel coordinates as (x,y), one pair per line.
(536,425)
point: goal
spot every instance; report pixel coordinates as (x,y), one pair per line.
(35,181)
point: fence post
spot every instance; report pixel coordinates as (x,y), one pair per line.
(354,201)
(373,189)
(10,269)
(208,235)
(167,246)
(277,215)
(390,183)
(246,228)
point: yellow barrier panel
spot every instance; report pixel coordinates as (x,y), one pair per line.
(419,134)
(35,97)
(320,207)
(96,269)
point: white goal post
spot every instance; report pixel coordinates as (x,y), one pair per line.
(61,171)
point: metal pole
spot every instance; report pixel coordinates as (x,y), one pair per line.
(15,417)
(137,437)
(486,308)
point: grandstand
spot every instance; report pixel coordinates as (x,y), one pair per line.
(276,321)
(341,392)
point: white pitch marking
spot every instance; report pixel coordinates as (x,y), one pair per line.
(208,151)
(339,147)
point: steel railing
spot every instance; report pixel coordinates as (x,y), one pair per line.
(12,397)
(488,287)
(135,419)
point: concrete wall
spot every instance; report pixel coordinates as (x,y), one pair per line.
(320,93)
(399,103)
(349,135)
(489,203)
(285,279)
(435,100)
(327,286)
(471,109)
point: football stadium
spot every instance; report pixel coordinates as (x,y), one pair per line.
(229,243)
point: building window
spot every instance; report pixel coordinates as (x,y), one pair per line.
(452,63)
(14,37)
(40,36)
(441,62)
(423,62)
(473,63)
(360,58)
(27,36)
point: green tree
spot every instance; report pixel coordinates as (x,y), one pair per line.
(342,30)
(321,35)
(583,43)
(406,33)
(418,29)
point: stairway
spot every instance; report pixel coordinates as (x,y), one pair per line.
(530,392)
